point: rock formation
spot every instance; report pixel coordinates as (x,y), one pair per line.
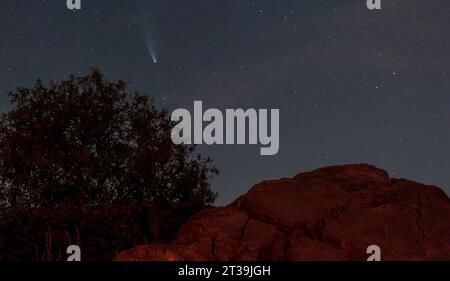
(332,213)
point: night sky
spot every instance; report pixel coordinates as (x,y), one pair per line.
(352,85)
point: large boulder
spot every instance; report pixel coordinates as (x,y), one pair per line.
(333,213)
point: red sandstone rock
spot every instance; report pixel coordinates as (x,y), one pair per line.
(333,213)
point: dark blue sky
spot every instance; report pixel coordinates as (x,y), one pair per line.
(352,85)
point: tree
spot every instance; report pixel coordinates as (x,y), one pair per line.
(84,162)
(86,141)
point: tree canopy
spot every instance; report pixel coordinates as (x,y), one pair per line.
(85,140)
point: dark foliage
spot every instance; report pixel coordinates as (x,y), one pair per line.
(82,160)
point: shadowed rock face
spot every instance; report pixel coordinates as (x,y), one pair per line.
(333,213)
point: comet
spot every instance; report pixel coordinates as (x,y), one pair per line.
(154,58)
(152,52)
(150,47)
